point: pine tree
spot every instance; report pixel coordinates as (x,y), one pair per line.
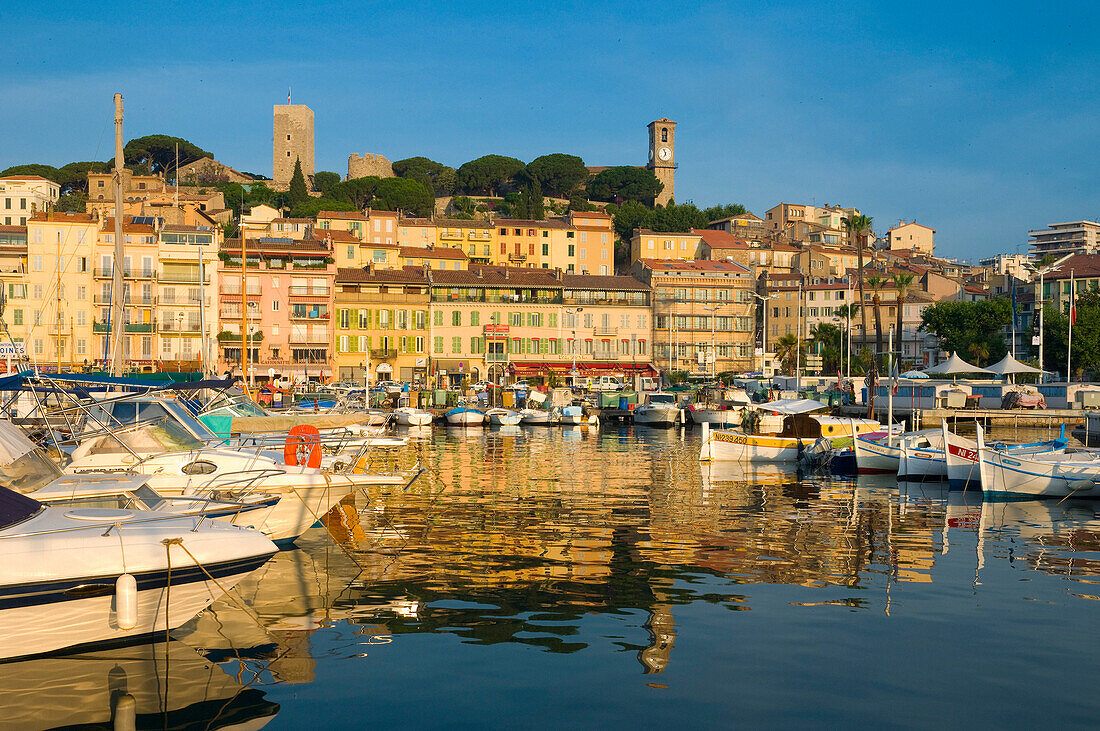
(298,192)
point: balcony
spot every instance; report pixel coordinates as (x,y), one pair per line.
(517,257)
(178,278)
(230,291)
(136,327)
(480,236)
(605,332)
(183,301)
(143,301)
(309,340)
(101,273)
(604,355)
(496,357)
(300,291)
(174,326)
(383,353)
(347,298)
(446,235)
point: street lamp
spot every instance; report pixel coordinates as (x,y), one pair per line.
(573,312)
(179,350)
(713,352)
(764,324)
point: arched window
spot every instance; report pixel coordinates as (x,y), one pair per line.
(664,134)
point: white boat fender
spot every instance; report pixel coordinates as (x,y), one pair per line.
(704,451)
(125,713)
(126,603)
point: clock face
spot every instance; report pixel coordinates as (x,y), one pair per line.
(664,153)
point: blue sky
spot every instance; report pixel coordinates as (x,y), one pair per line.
(978,119)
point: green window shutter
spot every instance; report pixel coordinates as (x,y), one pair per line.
(545,345)
(553,320)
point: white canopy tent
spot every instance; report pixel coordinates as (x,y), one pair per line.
(1009,366)
(954,366)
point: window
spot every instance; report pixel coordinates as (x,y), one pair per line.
(343,344)
(36,263)
(545,249)
(456,318)
(456,345)
(81,346)
(516,319)
(475,319)
(419,345)
(437,318)
(274,305)
(364,319)
(345,319)
(437,344)
(81,317)
(571,253)
(351,252)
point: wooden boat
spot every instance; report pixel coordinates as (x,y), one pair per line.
(503,417)
(465,416)
(882,453)
(961,455)
(1050,474)
(800,432)
(409,416)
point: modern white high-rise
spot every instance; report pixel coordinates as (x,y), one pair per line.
(1071,237)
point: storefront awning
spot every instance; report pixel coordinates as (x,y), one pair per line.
(583,369)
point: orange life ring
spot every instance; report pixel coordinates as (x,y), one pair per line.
(303,446)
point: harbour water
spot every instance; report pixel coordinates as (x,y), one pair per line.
(560,578)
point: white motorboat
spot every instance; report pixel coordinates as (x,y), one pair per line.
(409,416)
(540,417)
(122,491)
(503,417)
(659,410)
(76,576)
(961,455)
(178,464)
(570,415)
(465,416)
(1050,474)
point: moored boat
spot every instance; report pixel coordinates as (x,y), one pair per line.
(800,432)
(503,417)
(410,416)
(465,416)
(659,410)
(961,455)
(1050,474)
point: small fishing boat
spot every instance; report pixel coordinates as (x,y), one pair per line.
(881,452)
(77,576)
(409,416)
(659,410)
(1050,474)
(961,455)
(465,416)
(503,417)
(800,432)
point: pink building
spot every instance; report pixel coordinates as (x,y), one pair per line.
(289,294)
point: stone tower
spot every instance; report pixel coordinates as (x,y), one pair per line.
(293,141)
(662,157)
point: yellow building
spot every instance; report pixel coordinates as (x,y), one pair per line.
(499,323)
(912,236)
(420,232)
(476,238)
(381,324)
(581,243)
(57,306)
(646,244)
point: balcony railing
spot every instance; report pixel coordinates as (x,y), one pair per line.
(143,301)
(177,278)
(605,332)
(175,327)
(236,291)
(347,298)
(102,273)
(383,353)
(301,291)
(134,327)
(604,355)
(496,357)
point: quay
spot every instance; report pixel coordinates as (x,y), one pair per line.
(1016,418)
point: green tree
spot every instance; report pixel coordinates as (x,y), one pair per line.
(959,325)
(435,176)
(76,202)
(324,180)
(558,174)
(529,203)
(487,175)
(49,172)
(577,202)
(717,213)
(858,228)
(463,204)
(626,183)
(310,207)
(76,175)
(298,193)
(357,191)
(827,341)
(1086,335)
(400,194)
(786,350)
(157,153)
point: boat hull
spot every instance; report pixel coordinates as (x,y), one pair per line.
(873,457)
(731,446)
(657,416)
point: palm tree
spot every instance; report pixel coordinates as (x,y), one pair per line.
(858,227)
(876,282)
(902,282)
(827,341)
(786,349)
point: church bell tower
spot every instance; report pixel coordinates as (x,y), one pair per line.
(662,157)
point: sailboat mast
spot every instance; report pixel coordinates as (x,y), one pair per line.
(117,301)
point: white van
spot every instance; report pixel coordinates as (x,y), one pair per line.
(604,383)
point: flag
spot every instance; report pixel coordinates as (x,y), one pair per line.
(288,95)
(1072,301)
(894,376)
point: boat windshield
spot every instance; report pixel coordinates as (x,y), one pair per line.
(29,472)
(235,406)
(152,439)
(15,508)
(662,398)
(195,426)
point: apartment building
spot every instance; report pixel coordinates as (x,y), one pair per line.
(647,244)
(509,322)
(283,308)
(1060,239)
(22,196)
(433,257)
(704,314)
(476,238)
(381,325)
(580,243)
(912,235)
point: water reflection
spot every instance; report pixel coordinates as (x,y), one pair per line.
(159,685)
(528,538)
